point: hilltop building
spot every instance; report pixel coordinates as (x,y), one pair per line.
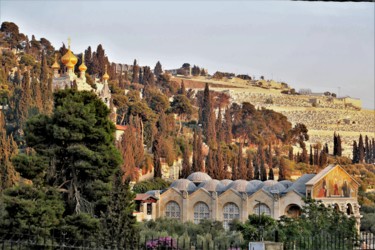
(70,80)
(201,197)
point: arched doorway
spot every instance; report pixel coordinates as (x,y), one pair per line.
(293,211)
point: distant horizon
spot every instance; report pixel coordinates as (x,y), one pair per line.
(317,46)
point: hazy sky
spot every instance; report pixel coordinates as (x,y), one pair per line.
(321,46)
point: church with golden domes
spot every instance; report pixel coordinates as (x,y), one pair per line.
(69,79)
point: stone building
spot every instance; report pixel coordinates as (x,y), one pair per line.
(70,80)
(201,197)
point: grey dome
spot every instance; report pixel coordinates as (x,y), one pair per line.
(269,183)
(253,186)
(226,182)
(238,185)
(184,185)
(276,188)
(199,177)
(212,185)
(286,183)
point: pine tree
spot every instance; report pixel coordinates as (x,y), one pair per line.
(355,152)
(270,174)
(250,169)
(118,224)
(158,69)
(361,150)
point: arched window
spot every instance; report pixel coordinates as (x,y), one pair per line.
(262,209)
(349,209)
(201,211)
(231,211)
(293,211)
(172,210)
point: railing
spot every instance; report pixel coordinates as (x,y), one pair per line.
(320,241)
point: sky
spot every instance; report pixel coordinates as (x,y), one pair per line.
(322,46)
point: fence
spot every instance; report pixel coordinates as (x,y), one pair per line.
(320,241)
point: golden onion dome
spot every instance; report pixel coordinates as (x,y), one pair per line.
(55,65)
(82,67)
(105,76)
(69,57)
(69,65)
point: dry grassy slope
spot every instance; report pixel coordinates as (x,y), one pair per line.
(322,122)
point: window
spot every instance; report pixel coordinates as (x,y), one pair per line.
(231,211)
(201,211)
(293,211)
(172,210)
(149,208)
(262,209)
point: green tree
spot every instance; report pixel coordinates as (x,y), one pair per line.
(78,141)
(181,105)
(158,69)
(118,223)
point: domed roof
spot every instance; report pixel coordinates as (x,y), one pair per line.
(269,183)
(184,185)
(82,67)
(286,183)
(238,185)
(55,65)
(226,182)
(69,59)
(199,177)
(276,188)
(253,186)
(212,185)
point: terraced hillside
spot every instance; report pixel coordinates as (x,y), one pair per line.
(322,119)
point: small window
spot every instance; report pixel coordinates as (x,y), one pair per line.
(149,208)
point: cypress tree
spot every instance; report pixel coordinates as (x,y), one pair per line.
(250,169)
(228,127)
(256,164)
(200,160)
(355,158)
(234,169)
(361,150)
(270,174)
(304,157)
(367,150)
(339,147)
(186,171)
(208,118)
(210,167)
(241,164)
(373,150)
(194,167)
(220,165)
(290,155)
(118,224)
(182,90)
(263,171)
(141,76)
(323,159)
(326,149)
(126,147)
(158,69)
(135,77)
(282,169)
(156,150)
(311,156)
(219,128)
(334,143)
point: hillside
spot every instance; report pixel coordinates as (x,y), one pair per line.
(322,120)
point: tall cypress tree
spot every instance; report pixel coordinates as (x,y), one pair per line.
(263,171)
(200,160)
(220,164)
(228,127)
(158,69)
(208,118)
(250,168)
(219,128)
(311,159)
(242,171)
(270,174)
(355,152)
(339,147)
(156,150)
(135,77)
(118,224)
(194,167)
(290,154)
(256,163)
(186,170)
(334,143)
(210,165)
(361,150)
(282,169)
(367,150)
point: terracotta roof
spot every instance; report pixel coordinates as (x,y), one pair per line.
(121,127)
(142,197)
